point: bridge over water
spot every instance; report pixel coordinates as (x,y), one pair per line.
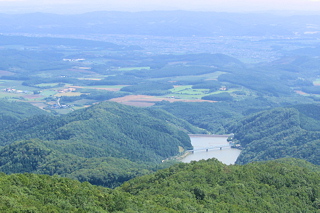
(210,148)
(211,136)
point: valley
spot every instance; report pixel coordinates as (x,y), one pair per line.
(96,114)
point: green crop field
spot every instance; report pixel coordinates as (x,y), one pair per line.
(47,85)
(48,92)
(212,76)
(316,82)
(186,92)
(209,76)
(106,87)
(9,95)
(14,85)
(133,68)
(181,88)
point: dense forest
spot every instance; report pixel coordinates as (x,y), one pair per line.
(275,186)
(285,185)
(280,132)
(10,112)
(105,144)
(215,116)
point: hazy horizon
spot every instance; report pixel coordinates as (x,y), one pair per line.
(83,6)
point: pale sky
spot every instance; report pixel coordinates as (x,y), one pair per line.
(81,6)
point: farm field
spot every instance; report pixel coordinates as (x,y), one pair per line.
(68,94)
(187,92)
(74,76)
(5,73)
(316,82)
(14,84)
(133,68)
(145,100)
(101,87)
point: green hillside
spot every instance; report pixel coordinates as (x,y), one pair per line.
(34,156)
(42,193)
(215,116)
(279,133)
(11,111)
(286,185)
(105,144)
(210,186)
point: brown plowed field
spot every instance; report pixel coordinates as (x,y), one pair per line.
(145,100)
(6,73)
(300,92)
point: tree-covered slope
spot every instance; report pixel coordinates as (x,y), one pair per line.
(42,193)
(11,111)
(105,144)
(279,133)
(34,156)
(210,186)
(214,116)
(286,185)
(112,129)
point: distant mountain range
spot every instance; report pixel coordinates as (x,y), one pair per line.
(163,23)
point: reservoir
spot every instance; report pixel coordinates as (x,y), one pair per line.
(218,148)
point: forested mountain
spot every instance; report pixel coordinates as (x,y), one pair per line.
(280,132)
(278,78)
(11,111)
(105,144)
(210,186)
(286,185)
(215,116)
(42,193)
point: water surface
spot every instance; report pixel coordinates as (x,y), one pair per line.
(227,155)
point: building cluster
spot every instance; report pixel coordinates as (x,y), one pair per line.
(11,90)
(62,106)
(66,90)
(73,59)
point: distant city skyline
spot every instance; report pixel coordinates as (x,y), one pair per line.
(83,6)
